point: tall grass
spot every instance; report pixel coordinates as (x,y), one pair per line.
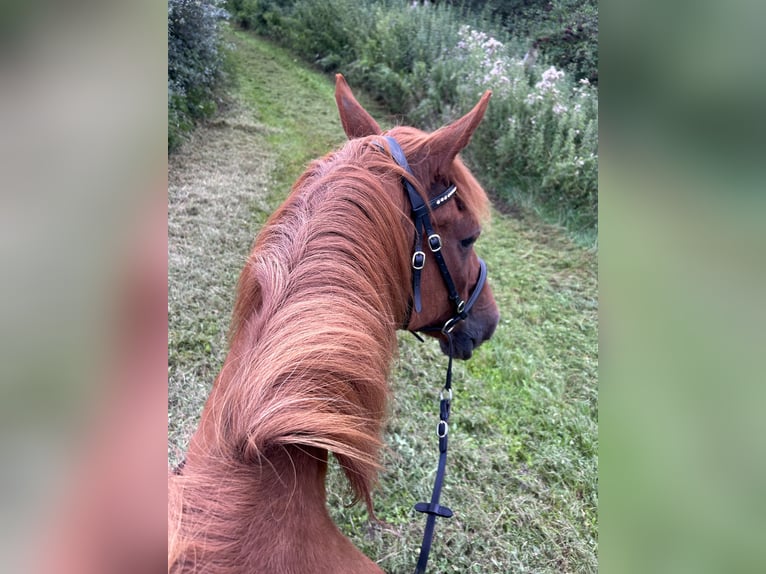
(428,64)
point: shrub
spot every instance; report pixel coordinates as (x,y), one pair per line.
(563,32)
(569,38)
(395,56)
(195,64)
(539,140)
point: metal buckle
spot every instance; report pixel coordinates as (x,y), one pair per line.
(434,242)
(418,260)
(450,325)
(460,305)
(442,429)
(449,394)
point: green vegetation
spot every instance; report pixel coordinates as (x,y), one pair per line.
(522,469)
(564,32)
(538,147)
(195,63)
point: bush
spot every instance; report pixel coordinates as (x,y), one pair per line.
(568,38)
(195,64)
(538,145)
(394,59)
(563,32)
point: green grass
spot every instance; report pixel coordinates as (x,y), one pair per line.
(296,104)
(522,468)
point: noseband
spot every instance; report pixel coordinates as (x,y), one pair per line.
(423,228)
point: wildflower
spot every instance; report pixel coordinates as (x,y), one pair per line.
(491,46)
(552,75)
(533,98)
(558,109)
(549,79)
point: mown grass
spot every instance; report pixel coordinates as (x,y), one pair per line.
(522,469)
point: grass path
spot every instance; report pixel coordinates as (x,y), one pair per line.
(522,474)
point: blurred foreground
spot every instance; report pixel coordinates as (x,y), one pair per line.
(83,312)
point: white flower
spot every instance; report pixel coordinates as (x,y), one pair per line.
(532,98)
(549,79)
(552,74)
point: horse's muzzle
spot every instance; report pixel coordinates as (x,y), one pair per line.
(479,326)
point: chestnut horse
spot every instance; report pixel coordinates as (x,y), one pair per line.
(313,334)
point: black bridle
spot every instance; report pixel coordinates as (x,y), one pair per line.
(423,228)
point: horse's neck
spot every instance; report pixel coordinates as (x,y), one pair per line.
(275,518)
(259,506)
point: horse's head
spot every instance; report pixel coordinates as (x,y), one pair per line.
(434,168)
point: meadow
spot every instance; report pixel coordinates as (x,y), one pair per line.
(522,472)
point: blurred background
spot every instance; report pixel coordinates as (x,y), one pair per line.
(682,236)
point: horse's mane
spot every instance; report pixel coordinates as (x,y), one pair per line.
(318,305)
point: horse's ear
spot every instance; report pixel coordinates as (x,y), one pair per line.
(446,142)
(357,123)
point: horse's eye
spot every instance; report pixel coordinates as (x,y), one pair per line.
(468,241)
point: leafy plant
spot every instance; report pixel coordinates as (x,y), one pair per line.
(539,141)
(195,63)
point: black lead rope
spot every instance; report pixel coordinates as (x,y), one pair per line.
(434,509)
